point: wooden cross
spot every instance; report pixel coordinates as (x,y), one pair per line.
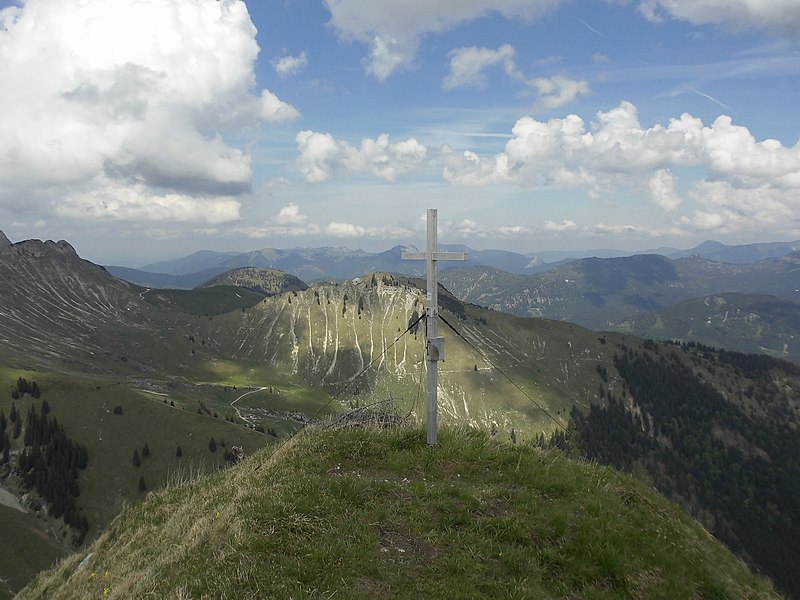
(435,344)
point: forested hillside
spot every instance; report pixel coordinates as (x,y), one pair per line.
(752,323)
(719,434)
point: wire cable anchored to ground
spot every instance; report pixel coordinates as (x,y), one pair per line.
(503,373)
(344,388)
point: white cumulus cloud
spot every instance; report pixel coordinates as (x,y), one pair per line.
(744,181)
(778,15)
(290,215)
(349,230)
(564,225)
(121,107)
(322,156)
(662,190)
(290,65)
(108,199)
(394,30)
(729,179)
(468,64)
(725,208)
(558,90)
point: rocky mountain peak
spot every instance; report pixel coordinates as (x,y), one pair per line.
(40,249)
(4,241)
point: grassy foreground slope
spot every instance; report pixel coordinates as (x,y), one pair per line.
(29,549)
(369,514)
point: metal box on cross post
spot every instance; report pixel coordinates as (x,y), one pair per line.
(436,349)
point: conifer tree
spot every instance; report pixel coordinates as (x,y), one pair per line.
(146,450)
(83,457)
(136,461)
(6,448)
(178,452)
(142,484)
(212,445)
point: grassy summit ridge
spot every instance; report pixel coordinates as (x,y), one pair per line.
(269,282)
(370,514)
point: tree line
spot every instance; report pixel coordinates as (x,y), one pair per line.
(49,463)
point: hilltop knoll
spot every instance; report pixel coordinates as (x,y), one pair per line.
(269,282)
(369,514)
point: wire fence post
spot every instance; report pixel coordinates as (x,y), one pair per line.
(435,344)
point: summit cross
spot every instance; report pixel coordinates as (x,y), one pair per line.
(435,344)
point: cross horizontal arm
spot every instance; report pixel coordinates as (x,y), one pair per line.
(449,256)
(436,256)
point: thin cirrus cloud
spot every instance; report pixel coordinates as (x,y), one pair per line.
(126,114)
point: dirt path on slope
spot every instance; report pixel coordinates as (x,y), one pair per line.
(236,408)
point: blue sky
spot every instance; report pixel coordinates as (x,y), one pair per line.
(150,129)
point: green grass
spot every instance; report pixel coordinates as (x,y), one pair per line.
(368,514)
(28,549)
(85,407)
(205,301)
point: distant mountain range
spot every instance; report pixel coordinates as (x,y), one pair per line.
(338,264)
(309,264)
(602,293)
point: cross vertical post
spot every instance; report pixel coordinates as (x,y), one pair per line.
(435,344)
